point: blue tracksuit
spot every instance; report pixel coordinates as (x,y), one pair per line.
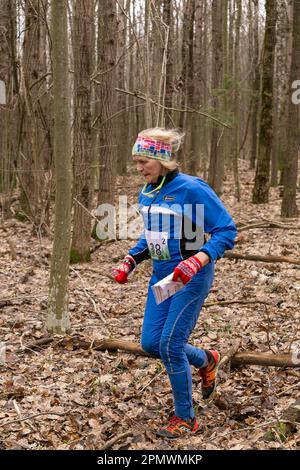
(175,219)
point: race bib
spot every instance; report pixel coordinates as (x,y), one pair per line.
(158,244)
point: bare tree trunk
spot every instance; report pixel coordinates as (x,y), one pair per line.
(147,109)
(283,53)
(230,73)
(122,122)
(159,48)
(29,73)
(107,50)
(290,172)
(205,144)
(274,153)
(255,88)
(190,151)
(216,164)
(131,82)
(58,303)
(82,34)
(168,19)
(262,184)
(8,112)
(139,120)
(197,143)
(237,114)
(224,142)
(44,103)
(183,81)
(284,60)
(94,175)
(31,160)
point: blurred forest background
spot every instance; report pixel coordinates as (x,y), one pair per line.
(224,71)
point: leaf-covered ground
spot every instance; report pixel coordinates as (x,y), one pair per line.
(80,399)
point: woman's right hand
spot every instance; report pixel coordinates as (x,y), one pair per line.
(124,269)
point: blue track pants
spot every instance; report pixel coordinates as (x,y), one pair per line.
(166,330)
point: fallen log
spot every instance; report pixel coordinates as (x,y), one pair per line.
(266,259)
(227,357)
(39,342)
(263,359)
(110,344)
(223,303)
(265,223)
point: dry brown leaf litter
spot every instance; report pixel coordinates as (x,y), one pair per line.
(94,396)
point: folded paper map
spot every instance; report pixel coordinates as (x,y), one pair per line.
(165,288)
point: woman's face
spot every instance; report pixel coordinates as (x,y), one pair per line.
(150,169)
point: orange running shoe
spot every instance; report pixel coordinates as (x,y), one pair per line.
(178,427)
(208,374)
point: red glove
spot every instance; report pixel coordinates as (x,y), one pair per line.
(186,269)
(121,272)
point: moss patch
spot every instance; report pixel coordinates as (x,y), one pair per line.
(76,257)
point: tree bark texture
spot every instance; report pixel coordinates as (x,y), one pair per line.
(107,50)
(8,111)
(262,176)
(290,172)
(83,18)
(31,129)
(58,303)
(236,358)
(216,163)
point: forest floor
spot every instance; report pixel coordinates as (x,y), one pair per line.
(80,399)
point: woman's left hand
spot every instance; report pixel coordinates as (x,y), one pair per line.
(186,269)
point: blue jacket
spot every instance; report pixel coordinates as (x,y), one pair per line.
(176,218)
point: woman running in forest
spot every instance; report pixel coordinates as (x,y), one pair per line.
(178,210)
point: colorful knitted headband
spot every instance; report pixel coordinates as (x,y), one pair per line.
(150,148)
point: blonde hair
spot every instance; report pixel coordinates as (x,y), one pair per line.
(172,137)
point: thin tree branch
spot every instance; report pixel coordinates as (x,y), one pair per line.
(30,417)
(115,439)
(39,80)
(266,259)
(232,352)
(184,110)
(114,115)
(243,302)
